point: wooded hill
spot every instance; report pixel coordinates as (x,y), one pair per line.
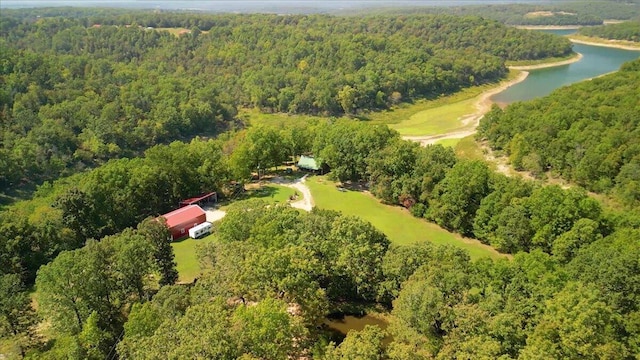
(628,30)
(587,133)
(274,273)
(104,276)
(77,93)
(558,13)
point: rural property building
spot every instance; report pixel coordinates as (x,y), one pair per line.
(181,220)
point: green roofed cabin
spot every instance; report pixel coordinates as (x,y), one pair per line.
(308,163)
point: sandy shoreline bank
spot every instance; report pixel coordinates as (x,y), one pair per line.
(548,65)
(471,121)
(607,44)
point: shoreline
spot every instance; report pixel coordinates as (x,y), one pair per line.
(608,44)
(470,122)
(572,60)
(483,104)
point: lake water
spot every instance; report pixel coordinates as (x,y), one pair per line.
(596,61)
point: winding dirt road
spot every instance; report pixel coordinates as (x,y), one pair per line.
(306,203)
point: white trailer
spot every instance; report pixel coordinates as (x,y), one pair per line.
(200,230)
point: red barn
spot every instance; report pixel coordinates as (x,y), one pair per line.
(180,221)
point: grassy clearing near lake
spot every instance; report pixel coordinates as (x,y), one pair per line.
(397,223)
(468,148)
(438,116)
(423,117)
(448,142)
(186,259)
(438,120)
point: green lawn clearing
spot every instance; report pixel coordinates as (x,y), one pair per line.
(271,193)
(469,149)
(186,259)
(448,142)
(437,116)
(177,31)
(397,223)
(438,120)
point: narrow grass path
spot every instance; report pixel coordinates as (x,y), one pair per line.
(397,223)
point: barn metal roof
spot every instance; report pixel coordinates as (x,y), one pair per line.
(182,215)
(196,199)
(308,162)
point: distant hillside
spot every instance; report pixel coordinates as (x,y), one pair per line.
(558,13)
(79,91)
(629,31)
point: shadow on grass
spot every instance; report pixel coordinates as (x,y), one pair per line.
(262,192)
(358,186)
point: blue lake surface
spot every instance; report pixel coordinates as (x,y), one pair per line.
(596,61)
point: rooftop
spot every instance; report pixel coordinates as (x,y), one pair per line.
(182,215)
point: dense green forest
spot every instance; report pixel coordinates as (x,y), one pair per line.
(586,133)
(76,92)
(628,30)
(274,273)
(551,13)
(104,99)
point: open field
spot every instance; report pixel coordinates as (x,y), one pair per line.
(468,123)
(438,120)
(401,116)
(397,223)
(448,142)
(186,260)
(177,31)
(467,148)
(271,193)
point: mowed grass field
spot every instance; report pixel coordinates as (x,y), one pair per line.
(397,223)
(186,259)
(438,116)
(448,142)
(438,120)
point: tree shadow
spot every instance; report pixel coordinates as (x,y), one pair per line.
(261,192)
